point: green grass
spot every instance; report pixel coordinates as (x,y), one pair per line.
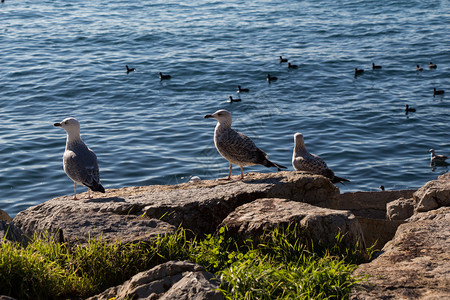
(278,266)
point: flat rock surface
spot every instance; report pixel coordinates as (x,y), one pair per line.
(415,264)
(321,225)
(135,213)
(171,280)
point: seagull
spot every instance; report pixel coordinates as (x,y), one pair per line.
(163,77)
(236,147)
(439,158)
(302,160)
(130,70)
(79,162)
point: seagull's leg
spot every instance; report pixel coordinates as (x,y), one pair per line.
(89,194)
(229,174)
(75,191)
(242,172)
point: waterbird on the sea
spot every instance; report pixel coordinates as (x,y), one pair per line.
(79,162)
(358,71)
(241,90)
(374,66)
(164,77)
(418,68)
(271,78)
(283,59)
(432,66)
(130,69)
(409,109)
(438,92)
(381,187)
(234,99)
(292,66)
(236,147)
(302,160)
(437,158)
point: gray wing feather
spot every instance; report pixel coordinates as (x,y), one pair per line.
(237,147)
(80,164)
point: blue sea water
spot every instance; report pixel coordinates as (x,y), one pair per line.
(63,58)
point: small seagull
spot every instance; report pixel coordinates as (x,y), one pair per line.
(236,147)
(283,59)
(292,66)
(381,187)
(164,77)
(130,70)
(437,158)
(79,162)
(432,66)
(438,92)
(418,68)
(358,71)
(302,160)
(409,109)
(234,100)
(271,78)
(241,90)
(374,67)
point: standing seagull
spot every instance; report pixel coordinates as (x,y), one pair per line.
(80,162)
(302,160)
(236,147)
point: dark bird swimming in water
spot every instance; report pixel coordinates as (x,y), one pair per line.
(164,77)
(409,109)
(283,59)
(271,78)
(130,69)
(292,66)
(374,67)
(358,71)
(438,92)
(418,68)
(241,90)
(234,100)
(432,66)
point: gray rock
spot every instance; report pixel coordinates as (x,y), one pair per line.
(320,225)
(171,280)
(434,194)
(415,264)
(137,213)
(10,233)
(400,209)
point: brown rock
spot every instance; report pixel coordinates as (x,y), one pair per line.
(4,216)
(400,209)
(415,264)
(137,213)
(171,280)
(320,225)
(10,233)
(434,194)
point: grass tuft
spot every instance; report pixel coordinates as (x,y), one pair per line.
(278,267)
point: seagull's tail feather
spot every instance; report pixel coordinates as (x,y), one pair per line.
(337,179)
(269,164)
(96,187)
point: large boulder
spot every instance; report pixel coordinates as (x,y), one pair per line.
(138,213)
(321,225)
(10,233)
(171,280)
(434,194)
(415,264)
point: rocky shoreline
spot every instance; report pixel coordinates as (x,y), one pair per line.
(411,227)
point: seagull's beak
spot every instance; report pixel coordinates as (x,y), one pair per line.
(206,117)
(57,124)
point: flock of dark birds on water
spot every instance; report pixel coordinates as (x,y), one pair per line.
(80,162)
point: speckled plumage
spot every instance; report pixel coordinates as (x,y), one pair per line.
(79,162)
(437,158)
(302,160)
(236,147)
